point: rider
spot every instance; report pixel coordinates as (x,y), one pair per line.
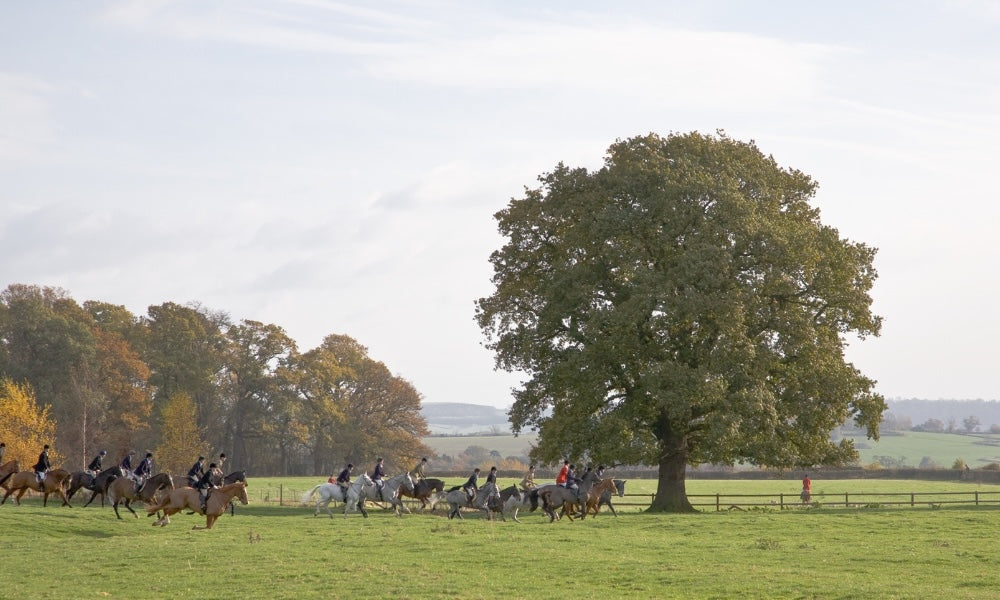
(491,477)
(418,471)
(143,471)
(205,486)
(572,481)
(472,485)
(529,480)
(344,479)
(377,474)
(561,477)
(95,465)
(222,464)
(42,466)
(196,471)
(126,464)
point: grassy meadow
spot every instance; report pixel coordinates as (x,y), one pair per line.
(272,551)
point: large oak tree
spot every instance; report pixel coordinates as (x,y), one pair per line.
(681,305)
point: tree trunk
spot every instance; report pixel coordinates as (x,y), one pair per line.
(671,493)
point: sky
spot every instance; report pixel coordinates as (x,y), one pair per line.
(334,167)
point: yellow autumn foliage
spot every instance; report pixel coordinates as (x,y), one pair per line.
(24,426)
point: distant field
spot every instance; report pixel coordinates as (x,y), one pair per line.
(910,447)
(506,445)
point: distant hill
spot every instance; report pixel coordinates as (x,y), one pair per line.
(456,418)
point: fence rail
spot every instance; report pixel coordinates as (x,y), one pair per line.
(283,496)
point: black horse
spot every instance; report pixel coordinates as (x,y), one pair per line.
(96,484)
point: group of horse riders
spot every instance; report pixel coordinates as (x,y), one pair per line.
(199,478)
(377,476)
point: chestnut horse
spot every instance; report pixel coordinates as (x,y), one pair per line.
(190,498)
(125,489)
(53,483)
(8,469)
(604,486)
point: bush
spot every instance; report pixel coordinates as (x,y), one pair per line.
(958,464)
(992,467)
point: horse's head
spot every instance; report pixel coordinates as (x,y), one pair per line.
(408,482)
(241,493)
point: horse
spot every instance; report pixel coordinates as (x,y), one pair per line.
(602,487)
(556,496)
(488,500)
(97,484)
(606,497)
(425,490)
(125,489)
(189,498)
(27,480)
(361,489)
(511,500)
(457,499)
(7,470)
(394,488)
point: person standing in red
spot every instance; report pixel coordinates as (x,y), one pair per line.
(806,489)
(563,472)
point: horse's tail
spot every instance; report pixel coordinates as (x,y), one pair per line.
(309,494)
(7,476)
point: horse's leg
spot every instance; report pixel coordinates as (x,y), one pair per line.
(115,506)
(128,505)
(20,493)
(92,496)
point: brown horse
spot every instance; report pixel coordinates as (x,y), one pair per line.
(125,489)
(54,482)
(423,490)
(594,497)
(190,498)
(6,471)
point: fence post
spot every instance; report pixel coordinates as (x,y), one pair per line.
(717,502)
(281,494)
(977,497)
(846,501)
(781,500)
(912,499)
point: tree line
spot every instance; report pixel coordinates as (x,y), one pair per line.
(183,381)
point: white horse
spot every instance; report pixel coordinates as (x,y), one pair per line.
(362,487)
(390,492)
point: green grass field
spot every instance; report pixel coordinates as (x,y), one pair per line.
(269,551)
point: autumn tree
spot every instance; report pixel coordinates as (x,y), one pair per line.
(184,347)
(683,304)
(47,341)
(252,391)
(123,382)
(358,409)
(25,426)
(181,440)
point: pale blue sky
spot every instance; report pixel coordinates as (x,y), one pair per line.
(333,167)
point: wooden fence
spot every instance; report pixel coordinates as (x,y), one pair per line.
(285,496)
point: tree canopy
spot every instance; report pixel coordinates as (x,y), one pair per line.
(188,381)
(681,305)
